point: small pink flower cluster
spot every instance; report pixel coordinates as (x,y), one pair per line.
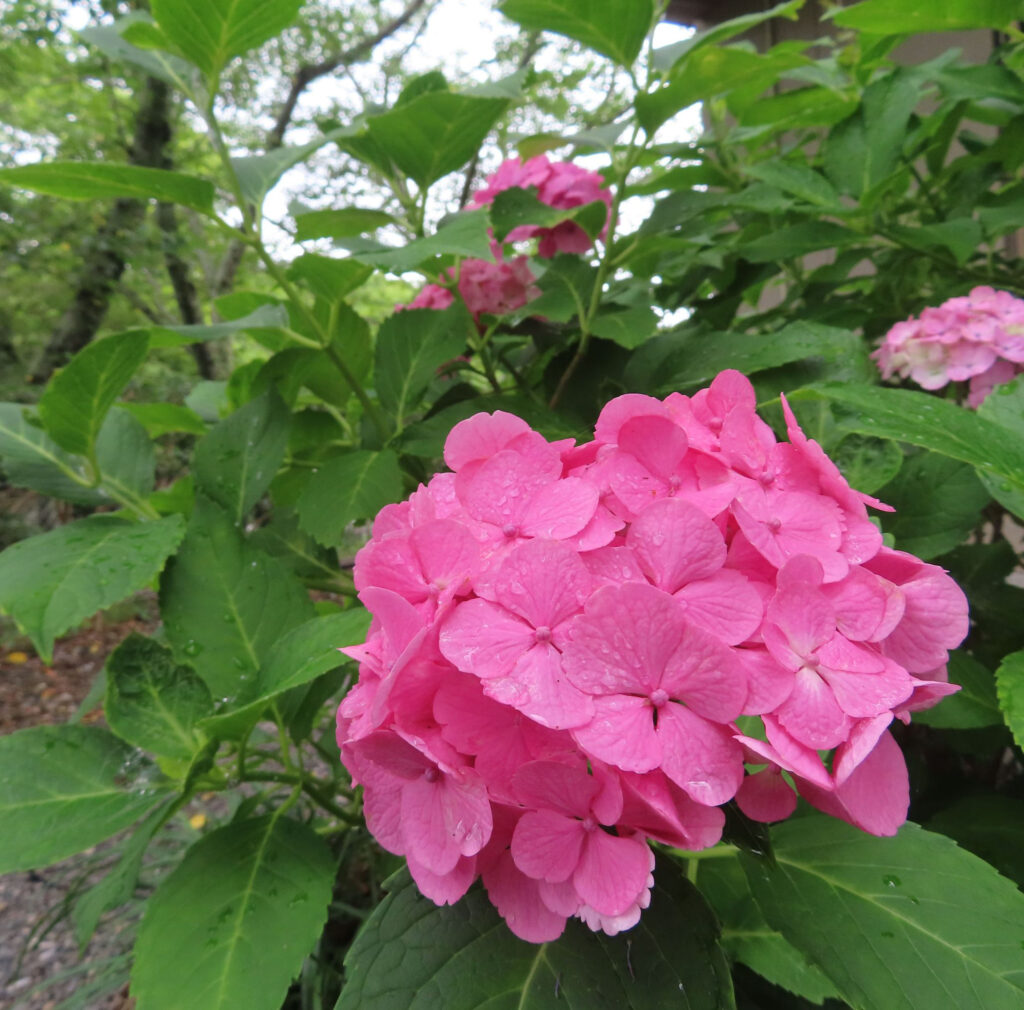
(564,638)
(978,337)
(559,184)
(499,286)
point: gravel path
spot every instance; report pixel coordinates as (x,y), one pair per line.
(37,943)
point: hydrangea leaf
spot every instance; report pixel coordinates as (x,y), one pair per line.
(1010,687)
(51,582)
(232,924)
(236,461)
(614,28)
(62,790)
(225,603)
(153,702)
(908,923)
(414,955)
(78,397)
(747,938)
(353,486)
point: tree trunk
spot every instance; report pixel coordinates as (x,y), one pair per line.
(103,257)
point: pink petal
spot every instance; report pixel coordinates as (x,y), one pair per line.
(543,581)
(699,756)
(537,687)
(560,510)
(676,543)
(612,872)
(623,640)
(934,621)
(860,602)
(658,808)
(480,437)
(613,565)
(812,714)
(443,819)
(444,888)
(768,683)
(546,845)
(446,551)
(622,733)
(726,605)
(703,673)
(876,796)
(499,490)
(863,695)
(555,785)
(617,412)
(656,443)
(517,899)
(765,796)
(483,638)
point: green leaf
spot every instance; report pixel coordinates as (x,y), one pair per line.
(301,655)
(225,603)
(716,70)
(866,462)
(412,955)
(434,134)
(125,457)
(797,240)
(905,923)
(462,234)
(695,359)
(327,276)
(110,40)
(799,180)
(747,938)
(907,416)
(62,790)
(32,459)
(1010,687)
(212,32)
(667,56)
(263,317)
(515,207)
(894,17)
(77,399)
(85,180)
(973,706)
(962,237)
(614,28)
(1005,406)
(51,582)
(861,151)
(163,418)
(236,461)
(990,826)
(566,286)
(629,328)
(343,223)
(411,346)
(232,924)
(257,174)
(151,701)
(938,501)
(356,485)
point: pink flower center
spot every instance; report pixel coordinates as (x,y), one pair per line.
(542,635)
(658,697)
(774,525)
(510,531)
(589,824)
(430,775)
(813,661)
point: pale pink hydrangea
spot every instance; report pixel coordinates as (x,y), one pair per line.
(977,337)
(566,640)
(558,184)
(487,287)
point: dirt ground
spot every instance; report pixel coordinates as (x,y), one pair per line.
(32,950)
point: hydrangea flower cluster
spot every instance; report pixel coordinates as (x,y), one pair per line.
(496,287)
(571,645)
(979,337)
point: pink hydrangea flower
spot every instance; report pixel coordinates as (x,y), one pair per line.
(559,184)
(977,337)
(564,637)
(488,287)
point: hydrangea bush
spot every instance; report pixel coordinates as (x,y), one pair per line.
(633,662)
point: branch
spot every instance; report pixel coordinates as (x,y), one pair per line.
(310,72)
